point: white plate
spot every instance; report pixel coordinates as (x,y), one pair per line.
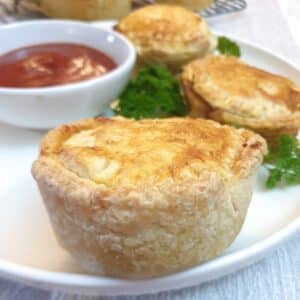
(29,252)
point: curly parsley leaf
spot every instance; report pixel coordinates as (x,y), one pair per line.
(228,47)
(283,162)
(155,93)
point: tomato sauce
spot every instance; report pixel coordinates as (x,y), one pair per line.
(52,64)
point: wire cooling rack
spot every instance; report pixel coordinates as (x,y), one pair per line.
(219,7)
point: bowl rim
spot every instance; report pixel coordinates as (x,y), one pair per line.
(129,61)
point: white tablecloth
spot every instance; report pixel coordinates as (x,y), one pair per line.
(274,24)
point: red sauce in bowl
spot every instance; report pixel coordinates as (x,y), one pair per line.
(52,64)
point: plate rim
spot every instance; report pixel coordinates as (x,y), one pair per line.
(218,267)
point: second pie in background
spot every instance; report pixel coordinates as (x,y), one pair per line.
(167,34)
(232,92)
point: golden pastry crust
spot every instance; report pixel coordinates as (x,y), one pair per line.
(87,10)
(229,91)
(167,34)
(139,199)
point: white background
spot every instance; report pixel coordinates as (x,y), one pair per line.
(273,24)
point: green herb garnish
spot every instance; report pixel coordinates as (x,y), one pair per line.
(283,162)
(228,47)
(155,93)
(236,125)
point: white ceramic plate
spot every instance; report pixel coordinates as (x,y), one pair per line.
(29,252)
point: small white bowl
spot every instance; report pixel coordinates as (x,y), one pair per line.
(44,108)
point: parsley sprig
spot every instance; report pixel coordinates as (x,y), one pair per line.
(228,47)
(283,162)
(155,93)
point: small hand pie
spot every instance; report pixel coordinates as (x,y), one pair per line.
(87,10)
(229,91)
(139,199)
(166,34)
